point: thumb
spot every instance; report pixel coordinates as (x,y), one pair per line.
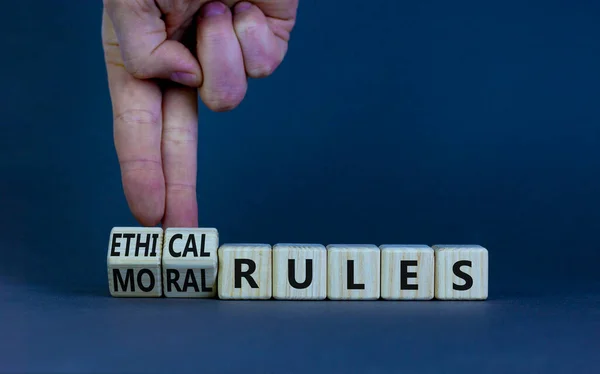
(147,53)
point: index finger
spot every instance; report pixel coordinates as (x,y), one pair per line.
(137,112)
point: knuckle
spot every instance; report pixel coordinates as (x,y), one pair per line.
(112,55)
(262,68)
(224,100)
(143,6)
(180,136)
(261,58)
(251,28)
(140,170)
(136,118)
(214,37)
(136,67)
(180,187)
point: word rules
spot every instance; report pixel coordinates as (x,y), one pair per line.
(190,263)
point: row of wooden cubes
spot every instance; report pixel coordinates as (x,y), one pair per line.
(189,263)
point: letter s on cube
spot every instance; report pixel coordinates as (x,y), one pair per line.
(461,272)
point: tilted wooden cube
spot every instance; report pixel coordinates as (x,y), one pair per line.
(461,272)
(190,262)
(299,272)
(134,262)
(407,272)
(353,272)
(245,271)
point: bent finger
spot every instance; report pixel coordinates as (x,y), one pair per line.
(263,51)
(146,50)
(218,50)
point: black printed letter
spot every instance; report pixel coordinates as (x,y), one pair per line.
(154,241)
(459,273)
(351,284)
(202,253)
(190,281)
(172,278)
(405,274)
(128,242)
(171,249)
(238,273)
(203,280)
(115,245)
(118,279)
(141,245)
(141,284)
(190,246)
(292,274)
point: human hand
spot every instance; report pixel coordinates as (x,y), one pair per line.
(150,49)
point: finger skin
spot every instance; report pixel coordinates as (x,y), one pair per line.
(146,49)
(262,50)
(139,45)
(275,9)
(137,127)
(179,155)
(280,14)
(218,50)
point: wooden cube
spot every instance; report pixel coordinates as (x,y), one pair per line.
(245,271)
(299,272)
(353,272)
(461,272)
(407,272)
(134,262)
(190,262)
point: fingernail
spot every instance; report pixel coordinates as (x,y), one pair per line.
(187,79)
(213,9)
(242,7)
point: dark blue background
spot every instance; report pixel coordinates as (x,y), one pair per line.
(389,122)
